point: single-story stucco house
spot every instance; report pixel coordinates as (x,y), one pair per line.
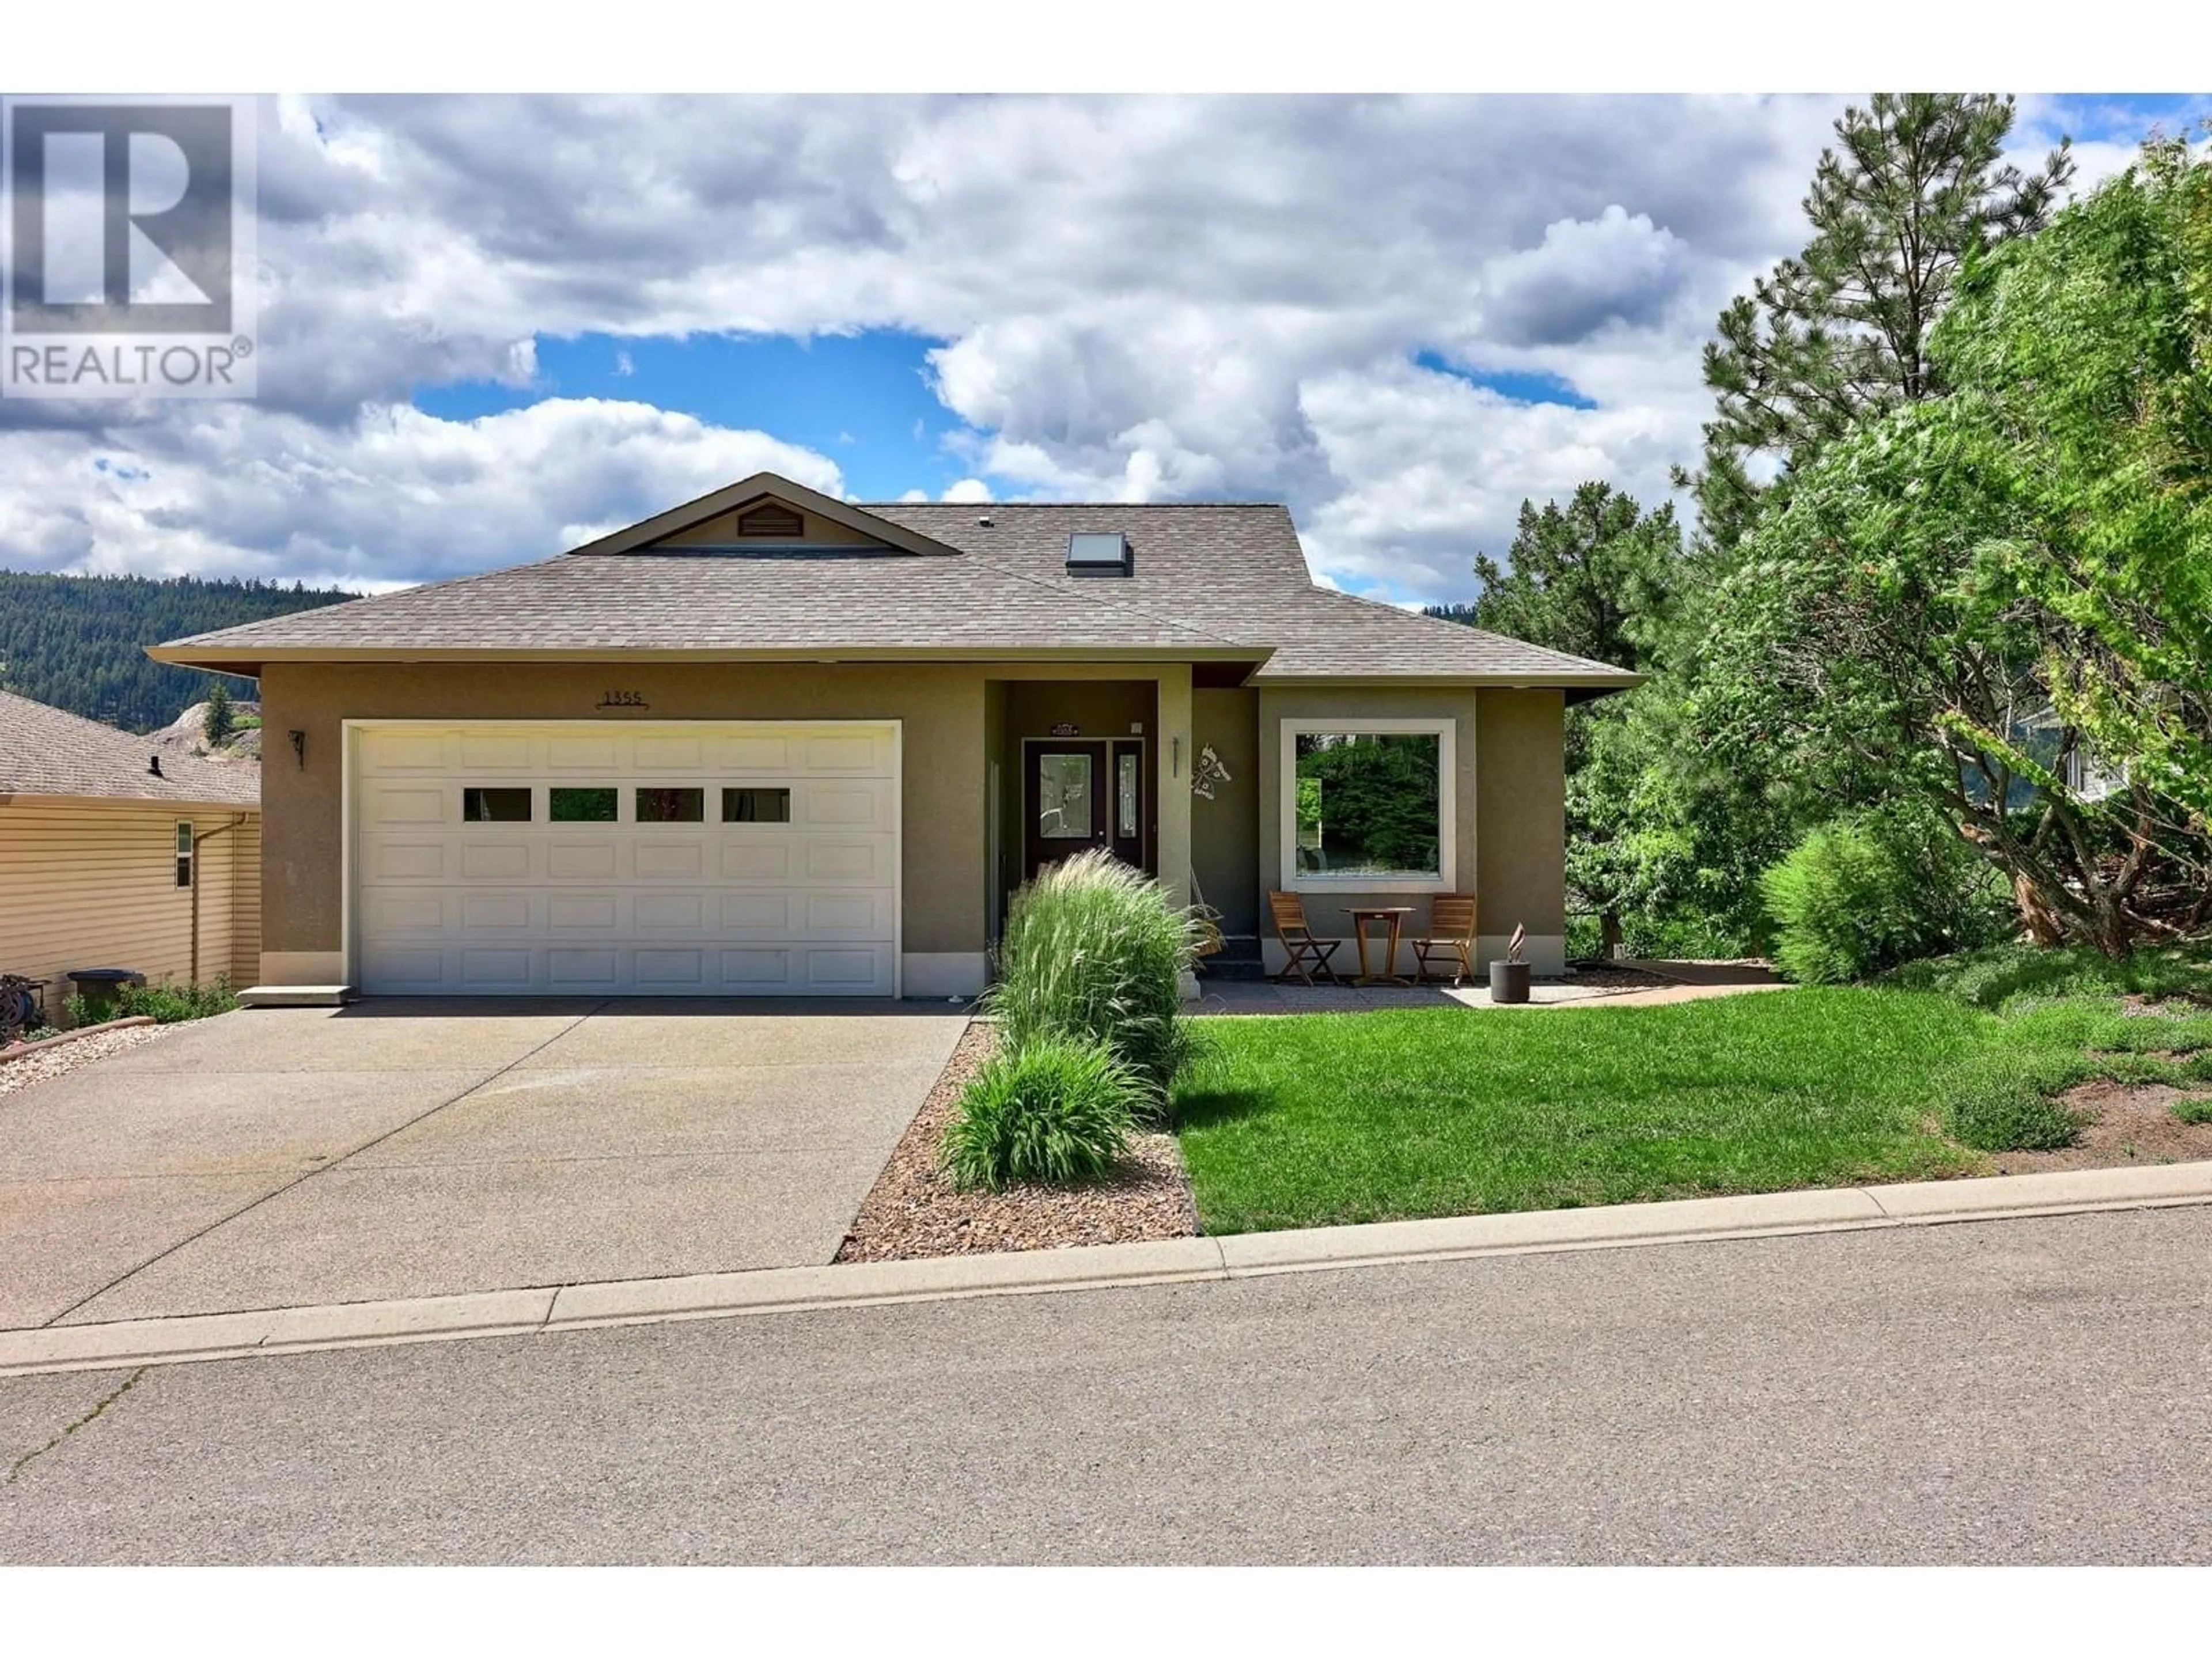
(771,742)
(114,853)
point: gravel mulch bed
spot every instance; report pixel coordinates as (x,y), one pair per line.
(65,1057)
(914,1211)
(2133,1123)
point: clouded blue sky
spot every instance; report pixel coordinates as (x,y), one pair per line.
(495,327)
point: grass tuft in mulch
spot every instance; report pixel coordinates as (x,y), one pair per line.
(913,1211)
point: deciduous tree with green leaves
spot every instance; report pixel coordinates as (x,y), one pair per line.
(1983,584)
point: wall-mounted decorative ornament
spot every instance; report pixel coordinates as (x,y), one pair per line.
(1208,774)
(1067,729)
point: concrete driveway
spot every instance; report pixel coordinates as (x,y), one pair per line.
(278,1157)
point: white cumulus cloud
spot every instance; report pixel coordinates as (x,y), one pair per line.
(1134,298)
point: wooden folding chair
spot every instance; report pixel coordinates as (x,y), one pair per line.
(1450,936)
(1306,954)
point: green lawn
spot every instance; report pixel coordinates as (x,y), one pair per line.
(1321,1119)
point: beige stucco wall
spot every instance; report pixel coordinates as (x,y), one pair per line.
(944,708)
(1325,911)
(1097,708)
(1509,833)
(1510,801)
(1171,753)
(1224,847)
(94,885)
(1521,837)
(1003,791)
(941,707)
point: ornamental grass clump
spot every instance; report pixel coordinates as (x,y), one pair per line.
(1055,1112)
(1095,951)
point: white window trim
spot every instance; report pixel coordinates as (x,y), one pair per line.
(1445,729)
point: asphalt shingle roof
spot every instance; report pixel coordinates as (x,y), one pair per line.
(1216,579)
(1237,570)
(47,751)
(715,601)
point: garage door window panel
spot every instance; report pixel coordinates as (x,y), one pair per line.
(750,804)
(490,805)
(671,805)
(595,804)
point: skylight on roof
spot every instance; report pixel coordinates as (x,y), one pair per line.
(1093,554)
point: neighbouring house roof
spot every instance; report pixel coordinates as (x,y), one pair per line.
(48,751)
(1219,582)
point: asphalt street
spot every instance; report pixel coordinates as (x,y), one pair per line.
(2021,1391)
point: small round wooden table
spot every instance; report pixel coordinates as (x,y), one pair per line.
(1396,915)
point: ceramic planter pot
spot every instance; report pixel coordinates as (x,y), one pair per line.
(1508,982)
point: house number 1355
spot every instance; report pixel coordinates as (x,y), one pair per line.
(623,699)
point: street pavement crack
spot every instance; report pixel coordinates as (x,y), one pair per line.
(337,1162)
(30,1457)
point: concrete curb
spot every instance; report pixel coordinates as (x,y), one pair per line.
(1177,1261)
(128,1023)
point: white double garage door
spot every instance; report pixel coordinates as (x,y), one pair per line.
(566,858)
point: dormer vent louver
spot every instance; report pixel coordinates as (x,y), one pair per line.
(1099,554)
(771,519)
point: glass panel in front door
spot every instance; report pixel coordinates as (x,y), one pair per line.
(1064,801)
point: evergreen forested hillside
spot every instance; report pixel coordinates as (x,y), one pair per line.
(78,642)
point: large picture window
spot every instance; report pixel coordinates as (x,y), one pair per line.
(1367,804)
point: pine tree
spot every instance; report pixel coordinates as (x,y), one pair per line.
(1595,578)
(220,724)
(1837,336)
(1587,578)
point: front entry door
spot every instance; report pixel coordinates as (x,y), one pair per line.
(1065,802)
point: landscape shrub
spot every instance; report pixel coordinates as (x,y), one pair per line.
(1870,892)
(1669,938)
(1998,976)
(1095,951)
(2193,1111)
(1056,1111)
(167,1003)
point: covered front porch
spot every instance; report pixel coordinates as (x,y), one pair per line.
(1086,759)
(1195,778)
